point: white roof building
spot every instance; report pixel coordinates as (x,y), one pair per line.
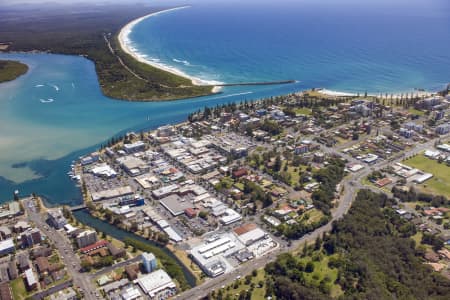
(156,283)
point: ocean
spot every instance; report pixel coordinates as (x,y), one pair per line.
(56,112)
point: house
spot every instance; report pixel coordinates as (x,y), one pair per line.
(240,172)
(23,262)
(5,291)
(116,251)
(41,251)
(42,265)
(30,279)
(132,271)
(98,245)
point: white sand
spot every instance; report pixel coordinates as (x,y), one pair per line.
(126,46)
(335,93)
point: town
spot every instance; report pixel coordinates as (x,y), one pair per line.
(226,192)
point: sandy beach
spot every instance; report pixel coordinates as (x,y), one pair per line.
(127,47)
(396,95)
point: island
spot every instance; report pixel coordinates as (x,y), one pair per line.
(10,70)
(92,32)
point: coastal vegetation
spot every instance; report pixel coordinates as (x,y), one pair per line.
(10,70)
(88,31)
(369,254)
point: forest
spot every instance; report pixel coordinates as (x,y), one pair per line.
(84,29)
(373,254)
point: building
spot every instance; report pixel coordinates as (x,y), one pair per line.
(23,262)
(134,147)
(30,280)
(86,238)
(98,245)
(10,210)
(42,265)
(132,271)
(7,246)
(165,131)
(56,218)
(130,293)
(230,217)
(5,232)
(117,252)
(157,285)
(149,262)
(443,129)
(67,294)
(5,291)
(31,237)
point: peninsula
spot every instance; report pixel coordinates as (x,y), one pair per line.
(10,70)
(93,33)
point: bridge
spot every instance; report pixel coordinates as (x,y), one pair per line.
(78,207)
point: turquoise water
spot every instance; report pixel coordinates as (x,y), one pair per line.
(56,112)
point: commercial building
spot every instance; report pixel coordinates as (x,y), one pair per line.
(230,217)
(31,237)
(10,210)
(86,238)
(149,262)
(56,218)
(134,147)
(443,129)
(157,285)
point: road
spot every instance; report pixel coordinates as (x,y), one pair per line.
(351,185)
(64,247)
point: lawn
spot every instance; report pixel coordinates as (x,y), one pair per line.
(322,271)
(416,112)
(258,292)
(18,289)
(440,183)
(303,111)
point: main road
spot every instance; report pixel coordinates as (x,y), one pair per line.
(351,184)
(64,247)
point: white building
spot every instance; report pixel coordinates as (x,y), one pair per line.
(86,238)
(157,285)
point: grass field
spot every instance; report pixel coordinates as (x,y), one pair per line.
(440,183)
(303,111)
(258,292)
(18,289)
(321,272)
(10,70)
(416,112)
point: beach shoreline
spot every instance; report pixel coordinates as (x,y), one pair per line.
(125,45)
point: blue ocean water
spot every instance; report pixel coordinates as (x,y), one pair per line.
(56,112)
(375,46)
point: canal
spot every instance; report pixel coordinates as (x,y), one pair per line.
(85,217)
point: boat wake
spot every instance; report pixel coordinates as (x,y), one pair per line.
(232,95)
(55,87)
(38,85)
(49,100)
